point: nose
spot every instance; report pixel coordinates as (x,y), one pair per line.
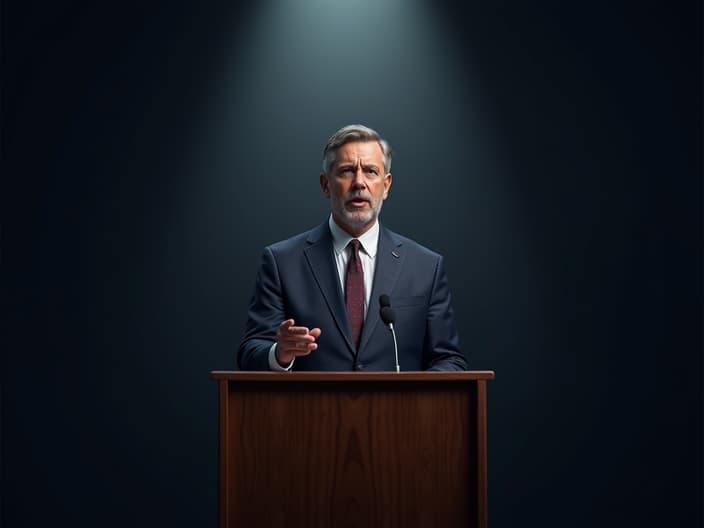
(359,180)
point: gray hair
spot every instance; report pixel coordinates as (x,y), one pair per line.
(351,133)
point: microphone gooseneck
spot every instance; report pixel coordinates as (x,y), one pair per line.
(388,316)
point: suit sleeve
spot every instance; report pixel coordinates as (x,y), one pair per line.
(266,312)
(442,347)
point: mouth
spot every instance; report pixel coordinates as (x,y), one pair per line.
(357,202)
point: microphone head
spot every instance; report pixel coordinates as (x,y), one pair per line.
(388,315)
(384,300)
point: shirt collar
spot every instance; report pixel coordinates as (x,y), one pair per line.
(341,238)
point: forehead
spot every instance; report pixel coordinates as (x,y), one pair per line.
(366,151)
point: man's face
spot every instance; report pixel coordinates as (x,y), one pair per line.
(356,185)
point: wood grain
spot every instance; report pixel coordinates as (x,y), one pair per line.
(352,452)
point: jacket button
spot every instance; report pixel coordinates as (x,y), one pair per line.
(359,366)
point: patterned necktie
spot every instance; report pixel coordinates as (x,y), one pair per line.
(354,292)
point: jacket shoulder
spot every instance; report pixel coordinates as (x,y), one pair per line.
(412,247)
(297,242)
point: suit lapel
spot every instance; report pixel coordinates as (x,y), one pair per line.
(322,265)
(389,261)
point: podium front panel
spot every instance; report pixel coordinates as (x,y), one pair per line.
(350,450)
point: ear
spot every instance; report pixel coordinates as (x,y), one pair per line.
(324,184)
(387,185)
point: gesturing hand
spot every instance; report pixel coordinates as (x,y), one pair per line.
(293,341)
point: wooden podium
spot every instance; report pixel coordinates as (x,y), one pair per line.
(365,450)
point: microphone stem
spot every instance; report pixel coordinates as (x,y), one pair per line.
(393,333)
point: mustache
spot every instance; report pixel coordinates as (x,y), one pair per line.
(357,194)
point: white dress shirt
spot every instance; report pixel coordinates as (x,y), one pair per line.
(369,242)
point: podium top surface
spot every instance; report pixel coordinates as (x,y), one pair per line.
(470,375)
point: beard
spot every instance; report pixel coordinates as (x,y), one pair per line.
(359,217)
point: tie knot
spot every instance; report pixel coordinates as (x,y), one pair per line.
(355,245)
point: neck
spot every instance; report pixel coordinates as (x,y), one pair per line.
(353,231)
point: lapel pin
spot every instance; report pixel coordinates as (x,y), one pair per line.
(395,254)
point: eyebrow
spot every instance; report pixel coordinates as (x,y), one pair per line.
(346,165)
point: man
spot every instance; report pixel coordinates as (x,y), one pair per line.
(316,302)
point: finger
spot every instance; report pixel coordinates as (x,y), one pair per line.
(305,350)
(303,346)
(296,340)
(298,330)
(286,324)
(302,349)
(315,332)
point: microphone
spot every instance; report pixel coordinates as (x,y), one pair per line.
(388,316)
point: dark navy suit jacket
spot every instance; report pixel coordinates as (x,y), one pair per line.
(298,279)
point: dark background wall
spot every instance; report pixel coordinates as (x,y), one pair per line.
(551,150)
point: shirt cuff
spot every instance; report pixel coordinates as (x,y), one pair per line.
(274,364)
